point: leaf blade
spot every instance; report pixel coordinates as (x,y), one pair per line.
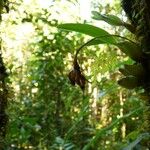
(113,20)
(133,50)
(129,82)
(110,19)
(86,29)
(135,142)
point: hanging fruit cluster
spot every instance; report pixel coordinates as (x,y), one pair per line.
(76,77)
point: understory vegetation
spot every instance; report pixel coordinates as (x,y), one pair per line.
(104,108)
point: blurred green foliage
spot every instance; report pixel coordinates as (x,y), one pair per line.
(45,111)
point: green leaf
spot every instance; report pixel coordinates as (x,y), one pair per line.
(131,49)
(59,140)
(110,19)
(132,135)
(129,82)
(135,70)
(113,20)
(100,132)
(124,71)
(86,29)
(134,143)
(103,40)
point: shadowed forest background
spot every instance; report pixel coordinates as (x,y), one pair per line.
(45,111)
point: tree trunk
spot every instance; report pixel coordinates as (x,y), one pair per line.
(3,89)
(138,12)
(3,103)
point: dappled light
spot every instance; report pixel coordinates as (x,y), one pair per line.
(74,75)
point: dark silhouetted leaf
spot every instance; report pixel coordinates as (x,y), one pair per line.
(135,70)
(134,143)
(132,50)
(129,82)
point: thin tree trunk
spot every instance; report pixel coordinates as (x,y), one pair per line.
(3,89)
(3,103)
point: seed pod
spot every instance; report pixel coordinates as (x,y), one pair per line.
(82,82)
(71,76)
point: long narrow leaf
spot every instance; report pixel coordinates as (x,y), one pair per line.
(110,19)
(101,132)
(86,29)
(134,143)
(129,82)
(131,49)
